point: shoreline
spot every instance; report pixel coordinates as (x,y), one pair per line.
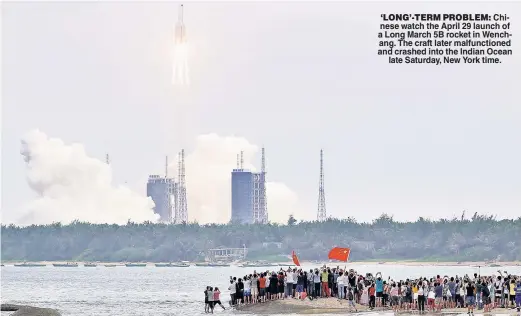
(336,306)
(312,263)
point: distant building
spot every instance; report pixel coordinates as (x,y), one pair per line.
(271,244)
(248,199)
(163,193)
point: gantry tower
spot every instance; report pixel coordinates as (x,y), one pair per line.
(264,197)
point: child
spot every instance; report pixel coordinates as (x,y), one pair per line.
(217,298)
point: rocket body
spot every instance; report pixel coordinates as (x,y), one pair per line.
(180,29)
(180,72)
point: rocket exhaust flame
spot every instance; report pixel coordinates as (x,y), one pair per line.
(180,71)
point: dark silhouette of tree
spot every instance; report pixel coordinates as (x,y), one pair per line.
(291,220)
(482,237)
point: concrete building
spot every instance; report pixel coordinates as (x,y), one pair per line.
(163,192)
(242,196)
(248,197)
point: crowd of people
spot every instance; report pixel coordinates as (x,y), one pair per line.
(415,294)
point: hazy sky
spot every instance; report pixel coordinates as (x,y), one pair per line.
(408,140)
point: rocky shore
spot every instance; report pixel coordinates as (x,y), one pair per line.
(23,310)
(335,306)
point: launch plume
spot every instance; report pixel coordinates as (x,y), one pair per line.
(208,180)
(73,186)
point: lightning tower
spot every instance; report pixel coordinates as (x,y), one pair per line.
(321,212)
(264,197)
(182,208)
(166,167)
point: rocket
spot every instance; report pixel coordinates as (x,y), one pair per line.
(180,30)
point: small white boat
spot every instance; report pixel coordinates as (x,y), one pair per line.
(29,264)
(66,265)
(172,265)
(218,264)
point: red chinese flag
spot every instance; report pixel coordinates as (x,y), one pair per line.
(340,254)
(295,258)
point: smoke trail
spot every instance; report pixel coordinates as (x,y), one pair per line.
(208,180)
(72,186)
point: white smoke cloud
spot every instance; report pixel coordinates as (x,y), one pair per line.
(208,180)
(73,186)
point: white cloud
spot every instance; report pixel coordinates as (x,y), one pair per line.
(73,186)
(208,180)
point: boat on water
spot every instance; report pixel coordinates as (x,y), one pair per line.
(29,264)
(111,265)
(285,265)
(172,265)
(212,264)
(66,265)
(132,265)
(218,264)
(90,265)
(257,264)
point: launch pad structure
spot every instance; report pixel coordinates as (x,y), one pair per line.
(226,254)
(169,195)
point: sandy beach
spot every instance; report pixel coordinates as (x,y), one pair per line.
(336,306)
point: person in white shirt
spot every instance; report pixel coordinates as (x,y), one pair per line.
(247,290)
(340,285)
(210,299)
(232,289)
(254,288)
(431,297)
(421,298)
(289,283)
(316,283)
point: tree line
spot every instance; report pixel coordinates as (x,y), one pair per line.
(478,238)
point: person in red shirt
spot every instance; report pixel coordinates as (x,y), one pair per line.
(372,298)
(262,286)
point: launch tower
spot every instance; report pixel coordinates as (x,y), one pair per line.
(181,212)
